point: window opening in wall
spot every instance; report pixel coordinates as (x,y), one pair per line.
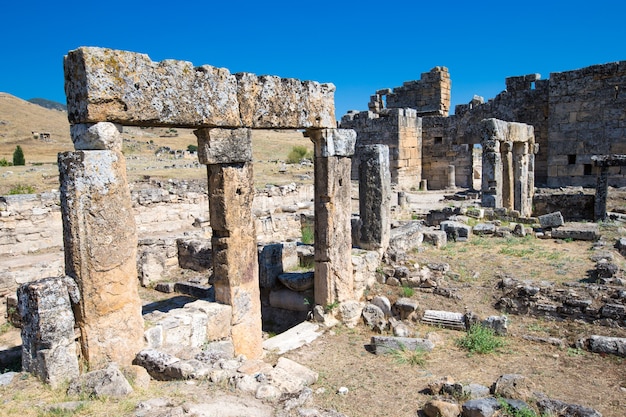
(438,140)
(532,85)
(587,169)
(571,159)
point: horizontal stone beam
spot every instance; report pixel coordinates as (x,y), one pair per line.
(609,160)
(495,129)
(106,85)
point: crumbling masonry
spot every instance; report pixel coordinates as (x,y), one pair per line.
(107,88)
(575,115)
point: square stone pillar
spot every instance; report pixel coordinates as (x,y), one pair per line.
(508,198)
(333,241)
(492,174)
(602,192)
(374,197)
(48,347)
(100,241)
(228,156)
(523,193)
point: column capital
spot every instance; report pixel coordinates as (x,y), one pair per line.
(224,146)
(332,142)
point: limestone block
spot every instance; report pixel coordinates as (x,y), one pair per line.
(293,338)
(610,345)
(194,254)
(437,238)
(291,377)
(274,259)
(108,382)
(438,408)
(551,220)
(48,347)
(333,142)
(224,146)
(374,197)
(577,231)
(297,281)
(218,318)
(290,300)
(103,136)
(456,231)
(272,102)
(406,237)
(387,344)
(100,254)
(128,88)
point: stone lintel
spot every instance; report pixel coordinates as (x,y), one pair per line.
(103,136)
(609,160)
(224,146)
(332,142)
(129,88)
(496,129)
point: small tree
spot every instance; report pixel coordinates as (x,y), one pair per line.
(18,156)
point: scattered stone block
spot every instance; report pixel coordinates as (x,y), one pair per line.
(218,318)
(293,338)
(437,238)
(559,408)
(405,307)
(513,386)
(350,312)
(109,382)
(551,220)
(484,229)
(620,245)
(438,408)
(374,317)
(290,300)
(482,407)
(102,136)
(406,237)
(48,347)
(274,259)
(497,323)
(577,231)
(383,303)
(456,231)
(194,254)
(609,345)
(447,319)
(387,344)
(291,377)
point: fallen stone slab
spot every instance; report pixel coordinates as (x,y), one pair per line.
(291,377)
(437,238)
(406,237)
(550,220)
(482,407)
(387,344)
(577,231)
(195,289)
(484,229)
(447,319)
(296,337)
(456,231)
(610,345)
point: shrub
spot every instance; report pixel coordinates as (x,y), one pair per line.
(480,339)
(18,156)
(5,163)
(192,148)
(21,189)
(297,154)
(407,292)
(308,235)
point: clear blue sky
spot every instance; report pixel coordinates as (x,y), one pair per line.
(360,46)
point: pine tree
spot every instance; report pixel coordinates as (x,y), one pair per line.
(18,156)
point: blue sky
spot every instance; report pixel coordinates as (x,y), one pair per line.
(360,46)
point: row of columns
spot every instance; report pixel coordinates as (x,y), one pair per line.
(100,236)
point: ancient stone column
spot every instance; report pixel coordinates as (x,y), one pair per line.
(492,174)
(374,197)
(521,164)
(451,177)
(602,191)
(508,198)
(333,243)
(100,241)
(48,347)
(228,155)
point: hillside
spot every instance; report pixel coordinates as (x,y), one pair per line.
(19,118)
(48,104)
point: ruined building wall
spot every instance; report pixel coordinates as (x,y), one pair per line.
(401,131)
(587,109)
(430,95)
(525,101)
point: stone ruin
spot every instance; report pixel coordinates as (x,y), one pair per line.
(575,115)
(106,89)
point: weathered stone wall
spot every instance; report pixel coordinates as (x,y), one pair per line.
(440,151)
(430,95)
(401,131)
(128,88)
(587,116)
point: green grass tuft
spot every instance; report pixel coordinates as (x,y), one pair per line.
(480,339)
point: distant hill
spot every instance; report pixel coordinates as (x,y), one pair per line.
(21,122)
(48,104)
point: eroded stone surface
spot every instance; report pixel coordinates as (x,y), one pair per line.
(100,243)
(129,88)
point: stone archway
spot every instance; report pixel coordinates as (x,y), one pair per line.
(127,88)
